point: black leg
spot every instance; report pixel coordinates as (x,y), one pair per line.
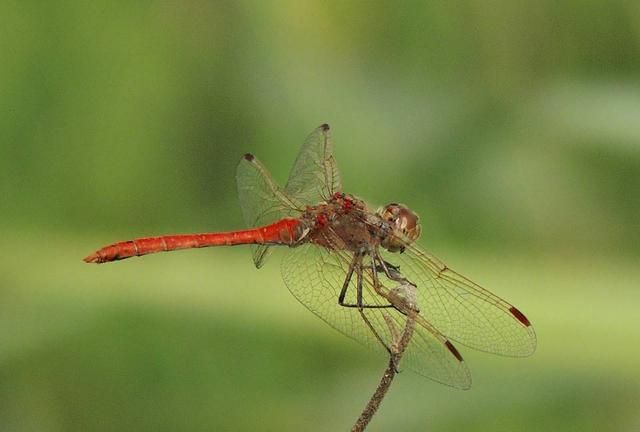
(361,307)
(347,280)
(345,286)
(390,270)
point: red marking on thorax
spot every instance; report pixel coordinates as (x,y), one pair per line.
(519,316)
(348,205)
(321,220)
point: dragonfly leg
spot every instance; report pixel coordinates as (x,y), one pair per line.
(345,287)
(347,280)
(361,308)
(356,266)
(377,286)
(391,271)
(402,296)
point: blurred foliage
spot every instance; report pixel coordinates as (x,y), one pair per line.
(510,126)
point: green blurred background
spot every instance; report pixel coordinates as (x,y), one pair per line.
(512,127)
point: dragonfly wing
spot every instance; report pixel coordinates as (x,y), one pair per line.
(463,310)
(315,276)
(262,200)
(314,176)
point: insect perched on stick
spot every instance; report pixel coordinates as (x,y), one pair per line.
(359,269)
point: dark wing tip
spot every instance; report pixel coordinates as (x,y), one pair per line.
(453,350)
(325,127)
(249,157)
(519,316)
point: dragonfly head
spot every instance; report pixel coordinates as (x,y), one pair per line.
(405,224)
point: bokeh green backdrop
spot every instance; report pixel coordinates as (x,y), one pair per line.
(512,127)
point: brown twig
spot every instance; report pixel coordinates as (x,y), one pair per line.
(397,350)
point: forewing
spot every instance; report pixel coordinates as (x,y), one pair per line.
(463,310)
(262,201)
(315,276)
(314,176)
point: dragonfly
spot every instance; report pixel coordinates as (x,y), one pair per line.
(359,269)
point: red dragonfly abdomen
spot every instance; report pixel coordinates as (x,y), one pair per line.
(284,232)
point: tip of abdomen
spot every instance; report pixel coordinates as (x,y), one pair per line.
(93,258)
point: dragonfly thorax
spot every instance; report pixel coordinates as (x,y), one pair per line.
(343,222)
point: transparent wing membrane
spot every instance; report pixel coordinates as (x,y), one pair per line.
(314,176)
(262,201)
(315,276)
(463,310)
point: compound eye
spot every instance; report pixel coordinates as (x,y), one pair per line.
(390,212)
(403,219)
(405,225)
